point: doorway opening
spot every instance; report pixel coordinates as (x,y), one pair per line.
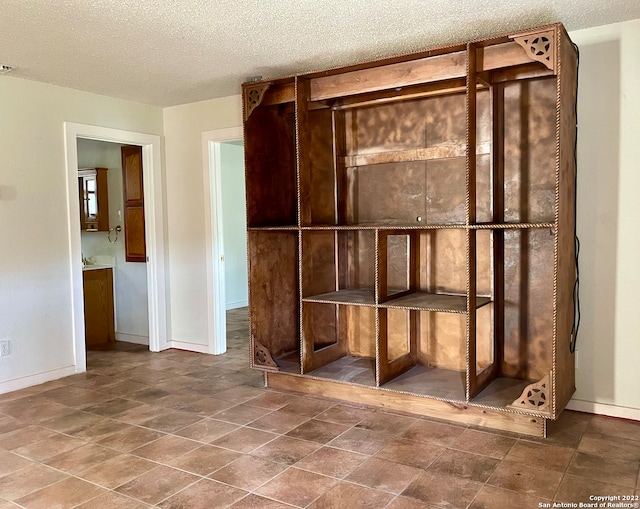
(154,235)
(116,300)
(226,226)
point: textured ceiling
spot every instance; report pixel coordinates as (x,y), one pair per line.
(168,52)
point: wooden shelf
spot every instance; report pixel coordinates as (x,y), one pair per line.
(428,381)
(356,370)
(348,297)
(510,226)
(385,226)
(501,392)
(445,303)
(272,228)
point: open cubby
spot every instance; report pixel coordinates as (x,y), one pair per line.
(271,167)
(273,271)
(339,342)
(338,266)
(411,230)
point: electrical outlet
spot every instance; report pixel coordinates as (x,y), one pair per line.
(5,347)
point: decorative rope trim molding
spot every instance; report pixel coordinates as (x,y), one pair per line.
(262,356)
(535,396)
(540,46)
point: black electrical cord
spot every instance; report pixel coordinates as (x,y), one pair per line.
(576,284)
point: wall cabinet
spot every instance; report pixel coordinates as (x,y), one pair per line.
(411,228)
(134,241)
(99,321)
(94,199)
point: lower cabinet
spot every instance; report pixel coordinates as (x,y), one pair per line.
(98,306)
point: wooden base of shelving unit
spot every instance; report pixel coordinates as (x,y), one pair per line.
(456,412)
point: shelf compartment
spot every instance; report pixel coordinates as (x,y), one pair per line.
(501,392)
(331,331)
(414,264)
(334,261)
(320,175)
(387,173)
(356,370)
(529,150)
(528,303)
(273,281)
(410,338)
(437,383)
(270,166)
(441,261)
(396,268)
(397,343)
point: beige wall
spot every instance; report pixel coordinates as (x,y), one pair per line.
(183,127)
(35,264)
(609,215)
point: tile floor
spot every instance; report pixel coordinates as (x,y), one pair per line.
(185,430)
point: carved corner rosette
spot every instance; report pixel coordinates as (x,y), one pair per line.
(253,94)
(535,396)
(262,357)
(539,46)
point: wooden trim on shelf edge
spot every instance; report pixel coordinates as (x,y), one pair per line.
(427,407)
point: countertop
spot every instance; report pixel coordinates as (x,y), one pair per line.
(100,262)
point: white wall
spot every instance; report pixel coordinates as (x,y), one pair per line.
(183,127)
(608,218)
(130,285)
(35,263)
(234,227)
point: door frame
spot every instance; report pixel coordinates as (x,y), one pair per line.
(154,231)
(212,172)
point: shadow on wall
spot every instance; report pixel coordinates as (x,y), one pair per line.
(597,217)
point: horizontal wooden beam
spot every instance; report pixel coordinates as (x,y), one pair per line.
(401,402)
(425,70)
(443,151)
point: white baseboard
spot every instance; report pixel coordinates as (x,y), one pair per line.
(40,378)
(191,347)
(604,409)
(132,338)
(237,304)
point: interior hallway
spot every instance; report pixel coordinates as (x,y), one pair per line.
(185,430)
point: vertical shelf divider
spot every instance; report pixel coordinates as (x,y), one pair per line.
(304,211)
(470,220)
(497,148)
(386,369)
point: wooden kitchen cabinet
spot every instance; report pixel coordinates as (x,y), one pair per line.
(411,228)
(98,306)
(134,229)
(94,199)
